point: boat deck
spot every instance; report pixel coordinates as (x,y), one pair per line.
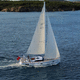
(45,60)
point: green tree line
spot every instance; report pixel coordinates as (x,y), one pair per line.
(50,5)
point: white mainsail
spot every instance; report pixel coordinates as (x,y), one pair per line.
(37,45)
(51,46)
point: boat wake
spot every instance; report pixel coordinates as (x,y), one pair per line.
(11,65)
(17,65)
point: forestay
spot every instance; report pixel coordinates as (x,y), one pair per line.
(37,45)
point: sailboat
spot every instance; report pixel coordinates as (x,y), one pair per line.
(43,50)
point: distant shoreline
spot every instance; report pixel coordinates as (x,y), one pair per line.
(36,6)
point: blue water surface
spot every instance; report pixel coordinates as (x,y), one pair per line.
(16,31)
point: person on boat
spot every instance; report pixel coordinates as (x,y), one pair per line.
(23,59)
(28,58)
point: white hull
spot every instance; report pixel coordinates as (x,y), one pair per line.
(44,63)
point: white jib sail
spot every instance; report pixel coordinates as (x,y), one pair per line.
(51,46)
(37,45)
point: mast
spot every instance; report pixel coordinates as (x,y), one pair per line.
(37,46)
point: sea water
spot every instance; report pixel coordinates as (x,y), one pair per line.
(16,31)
